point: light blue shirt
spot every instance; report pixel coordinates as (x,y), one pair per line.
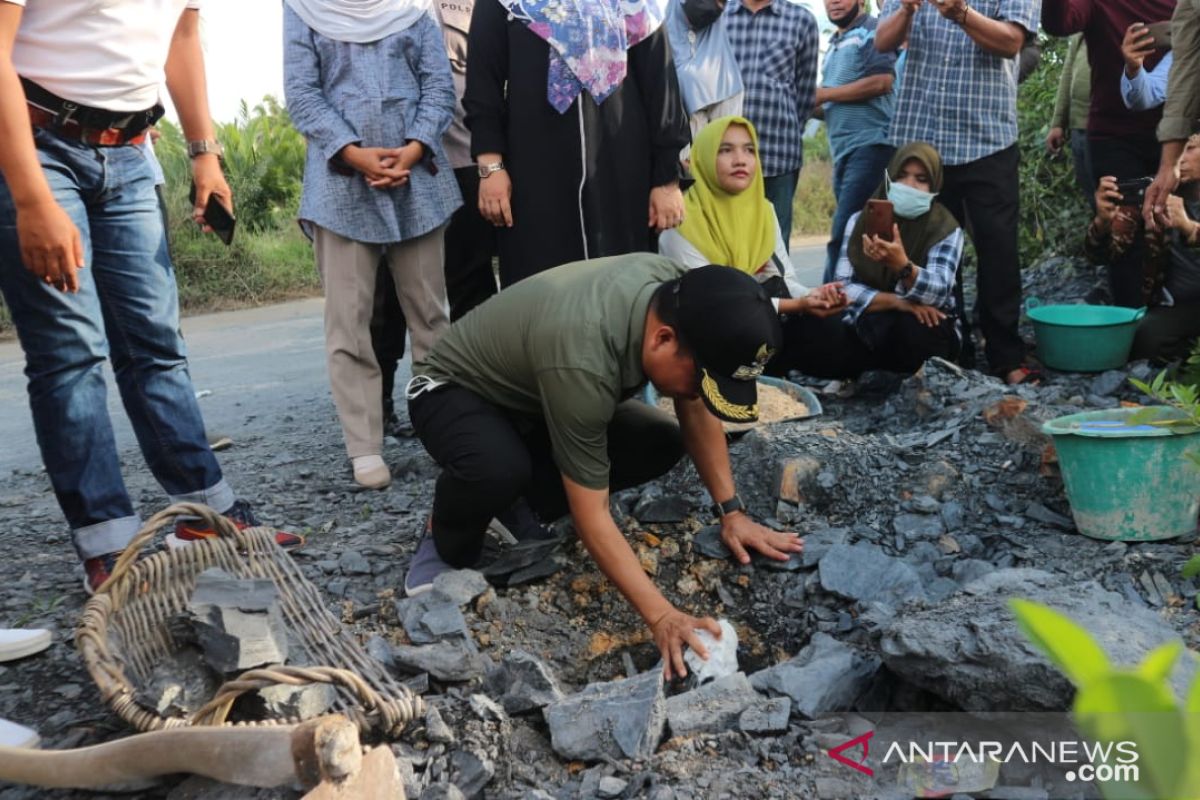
(1147,89)
(704,60)
(852,56)
(377,94)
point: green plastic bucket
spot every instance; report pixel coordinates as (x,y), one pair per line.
(1126,482)
(1082,338)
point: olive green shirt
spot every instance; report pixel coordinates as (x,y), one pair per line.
(1182,108)
(1074,95)
(566,345)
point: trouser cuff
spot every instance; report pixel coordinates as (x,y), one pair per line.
(219,497)
(102,538)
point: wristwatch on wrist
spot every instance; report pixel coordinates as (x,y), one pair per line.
(730,506)
(907,271)
(203,146)
(487,169)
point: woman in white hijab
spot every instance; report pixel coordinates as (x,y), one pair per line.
(368,83)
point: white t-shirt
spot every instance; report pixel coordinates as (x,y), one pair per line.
(108,54)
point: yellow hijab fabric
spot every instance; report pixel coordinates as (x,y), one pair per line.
(737,230)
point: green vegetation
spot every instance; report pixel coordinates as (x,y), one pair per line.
(270,258)
(1115,704)
(813,207)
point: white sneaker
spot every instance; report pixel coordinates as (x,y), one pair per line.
(14,735)
(20,642)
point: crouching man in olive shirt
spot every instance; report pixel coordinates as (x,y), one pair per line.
(529,395)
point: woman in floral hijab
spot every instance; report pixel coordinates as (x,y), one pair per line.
(576,125)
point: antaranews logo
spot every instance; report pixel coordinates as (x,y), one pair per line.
(864,742)
(1084,761)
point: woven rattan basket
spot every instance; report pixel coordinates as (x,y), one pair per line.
(125,632)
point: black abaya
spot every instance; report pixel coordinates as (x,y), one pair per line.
(581,179)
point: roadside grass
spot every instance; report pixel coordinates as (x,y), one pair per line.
(812,209)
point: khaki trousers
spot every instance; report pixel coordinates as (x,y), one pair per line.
(347,271)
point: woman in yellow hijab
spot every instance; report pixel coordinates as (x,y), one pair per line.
(728,220)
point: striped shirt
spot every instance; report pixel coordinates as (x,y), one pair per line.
(851,57)
(776,51)
(956,96)
(934,285)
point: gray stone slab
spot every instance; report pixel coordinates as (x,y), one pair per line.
(712,708)
(863,572)
(619,719)
(766,715)
(825,676)
(447,660)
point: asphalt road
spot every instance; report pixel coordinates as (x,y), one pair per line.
(249,366)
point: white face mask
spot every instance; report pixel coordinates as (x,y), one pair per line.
(907,202)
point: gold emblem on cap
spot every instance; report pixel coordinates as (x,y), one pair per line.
(723,407)
(753,372)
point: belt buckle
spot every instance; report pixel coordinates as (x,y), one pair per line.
(65,118)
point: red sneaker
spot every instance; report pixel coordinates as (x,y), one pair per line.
(97,570)
(193,530)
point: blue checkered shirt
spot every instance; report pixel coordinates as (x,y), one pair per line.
(776,50)
(954,95)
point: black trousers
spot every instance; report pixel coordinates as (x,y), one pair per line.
(983,195)
(829,348)
(389,333)
(1167,333)
(470,246)
(491,456)
(1126,157)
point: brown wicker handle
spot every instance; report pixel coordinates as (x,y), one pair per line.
(217,710)
(222,525)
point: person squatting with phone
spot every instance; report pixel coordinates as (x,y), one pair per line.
(1121,141)
(84,266)
(899,268)
(1170,268)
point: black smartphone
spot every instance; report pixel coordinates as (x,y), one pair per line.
(1133,190)
(217,217)
(1161,34)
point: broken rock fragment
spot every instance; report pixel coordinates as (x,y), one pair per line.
(522,683)
(827,675)
(712,708)
(617,719)
(237,622)
(450,660)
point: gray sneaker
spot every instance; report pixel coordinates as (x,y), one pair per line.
(426,565)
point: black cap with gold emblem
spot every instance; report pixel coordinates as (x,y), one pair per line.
(728,322)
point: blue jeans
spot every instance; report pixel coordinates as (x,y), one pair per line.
(856,176)
(781,191)
(127,309)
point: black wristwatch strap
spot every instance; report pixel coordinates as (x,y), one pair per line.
(728,507)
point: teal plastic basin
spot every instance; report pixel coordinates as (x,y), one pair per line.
(1126,482)
(1082,338)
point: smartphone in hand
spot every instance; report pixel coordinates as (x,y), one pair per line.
(1133,190)
(1160,33)
(217,217)
(880,219)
